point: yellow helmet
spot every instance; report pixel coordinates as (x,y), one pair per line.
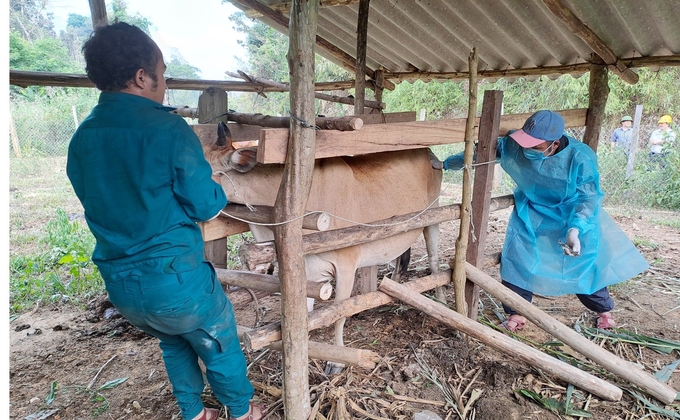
(666,119)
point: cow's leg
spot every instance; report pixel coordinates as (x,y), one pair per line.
(344,283)
(401,265)
(431,234)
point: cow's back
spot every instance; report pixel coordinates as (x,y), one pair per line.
(358,189)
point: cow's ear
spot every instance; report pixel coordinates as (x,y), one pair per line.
(243,160)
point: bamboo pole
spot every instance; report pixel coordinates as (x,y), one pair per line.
(611,362)
(505,344)
(291,202)
(14,136)
(466,205)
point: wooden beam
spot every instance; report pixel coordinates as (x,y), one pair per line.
(345,59)
(576,341)
(98,13)
(318,242)
(246,279)
(290,204)
(44,78)
(362,41)
(284,6)
(598,91)
(573,69)
(243,132)
(481,195)
(507,345)
(562,12)
(399,136)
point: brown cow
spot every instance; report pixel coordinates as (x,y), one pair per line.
(360,189)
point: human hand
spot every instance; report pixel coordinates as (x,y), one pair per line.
(573,245)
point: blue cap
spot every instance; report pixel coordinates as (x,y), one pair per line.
(540,127)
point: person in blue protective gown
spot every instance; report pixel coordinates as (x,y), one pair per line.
(559,240)
(141,176)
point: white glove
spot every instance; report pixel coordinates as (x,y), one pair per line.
(573,247)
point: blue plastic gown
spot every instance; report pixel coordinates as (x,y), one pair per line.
(552,196)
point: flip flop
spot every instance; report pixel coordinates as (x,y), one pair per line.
(514,323)
(605,321)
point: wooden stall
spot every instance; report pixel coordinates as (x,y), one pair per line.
(384,43)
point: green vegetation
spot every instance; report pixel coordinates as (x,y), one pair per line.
(61,271)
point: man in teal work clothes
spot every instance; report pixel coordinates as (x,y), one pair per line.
(559,240)
(143,181)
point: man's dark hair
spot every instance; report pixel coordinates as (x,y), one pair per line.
(114,53)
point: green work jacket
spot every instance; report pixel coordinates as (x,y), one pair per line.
(143,181)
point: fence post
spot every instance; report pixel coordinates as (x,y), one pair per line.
(635,137)
(13,135)
(75,115)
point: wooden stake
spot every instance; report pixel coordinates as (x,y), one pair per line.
(466,206)
(502,342)
(598,91)
(290,203)
(362,41)
(611,362)
(489,126)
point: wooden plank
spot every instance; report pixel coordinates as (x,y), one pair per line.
(242,132)
(222,227)
(398,136)
(481,194)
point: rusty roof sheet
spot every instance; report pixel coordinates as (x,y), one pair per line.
(438,35)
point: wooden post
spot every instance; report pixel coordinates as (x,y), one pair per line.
(623,368)
(502,342)
(634,141)
(379,81)
(13,135)
(291,202)
(489,126)
(465,207)
(75,115)
(98,13)
(362,40)
(598,91)
(213,102)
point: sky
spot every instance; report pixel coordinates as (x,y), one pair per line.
(200,30)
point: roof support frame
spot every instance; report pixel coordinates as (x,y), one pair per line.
(599,47)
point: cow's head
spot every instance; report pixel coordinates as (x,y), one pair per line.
(222,155)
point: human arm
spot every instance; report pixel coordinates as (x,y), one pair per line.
(584,206)
(457,161)
(194,184)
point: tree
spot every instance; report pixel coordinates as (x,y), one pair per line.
(27,18)
(119,12)
(78,30)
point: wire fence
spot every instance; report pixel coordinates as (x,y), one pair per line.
(40,144)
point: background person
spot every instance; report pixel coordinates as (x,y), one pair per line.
(661,139)
(622,136)
(559,240)
(143,181)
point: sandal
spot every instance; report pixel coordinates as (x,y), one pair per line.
(255,412)
(209,414)
(514,323)
(605,321)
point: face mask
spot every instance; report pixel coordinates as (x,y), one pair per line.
(533,154)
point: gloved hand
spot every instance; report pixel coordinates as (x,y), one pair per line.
(454,162)
(573,247)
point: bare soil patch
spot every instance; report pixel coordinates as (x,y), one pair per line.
(71,345)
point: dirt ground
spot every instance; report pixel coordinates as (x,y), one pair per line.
(69,354)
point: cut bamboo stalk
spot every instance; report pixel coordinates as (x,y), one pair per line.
(609,361)
(316,290)
(503,343)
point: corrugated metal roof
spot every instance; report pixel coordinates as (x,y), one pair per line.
(437,35)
